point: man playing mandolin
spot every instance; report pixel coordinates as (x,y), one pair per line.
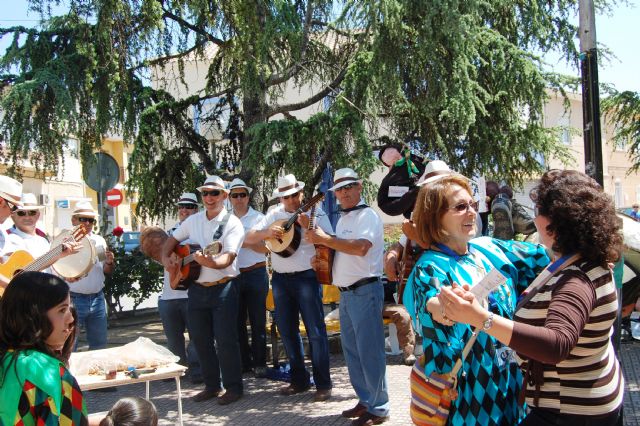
(357,267)
(213,298)
(295,287)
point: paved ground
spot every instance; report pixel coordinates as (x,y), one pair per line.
(262,405)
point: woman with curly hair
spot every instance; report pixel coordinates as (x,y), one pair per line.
(562,326)
(36,336)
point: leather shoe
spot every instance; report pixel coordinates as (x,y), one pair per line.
(322,395)
(293,389)
(356,411)
(206,394)
(369,419)
(228,398)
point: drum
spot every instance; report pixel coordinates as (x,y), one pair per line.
(76,265)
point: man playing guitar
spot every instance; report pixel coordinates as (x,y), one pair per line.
(357,267)
(296,291)
(213,298)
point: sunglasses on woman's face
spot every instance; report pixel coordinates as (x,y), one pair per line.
(213,193)
(239,195)
(86,220)
(464,207)
(26,212)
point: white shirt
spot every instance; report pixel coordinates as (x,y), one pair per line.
(356,225)
(167,292)
(248,257)
(9,245)
(34,244)
(301,259)
(200,230)
(94,281)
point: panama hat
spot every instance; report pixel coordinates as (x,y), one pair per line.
(11,190)
(187,198)
(29,202)
(435,170)
(238,183)
(343,177)
(287,185)
(85,209)
(213,182)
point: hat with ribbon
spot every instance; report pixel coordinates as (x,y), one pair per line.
(287,185)
(29,202)
(435,170)
(187,198)
(85,209)
(213,182)
(238,183)
(343,177)
(11,190)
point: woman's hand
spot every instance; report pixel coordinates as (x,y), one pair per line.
(460,305)
(435,308)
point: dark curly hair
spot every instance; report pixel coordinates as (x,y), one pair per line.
(23,312)
(582,216)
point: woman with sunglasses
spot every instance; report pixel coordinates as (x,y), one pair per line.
(445,221)
(562,328)
(37,329)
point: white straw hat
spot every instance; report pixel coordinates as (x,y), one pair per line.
(287,185)
(343,177)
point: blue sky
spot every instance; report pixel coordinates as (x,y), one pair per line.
(617,32)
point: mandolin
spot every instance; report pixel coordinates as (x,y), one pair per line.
(21,261)
(188,270)
(324,254)
(287,245)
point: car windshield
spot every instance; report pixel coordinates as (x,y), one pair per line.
(130,237)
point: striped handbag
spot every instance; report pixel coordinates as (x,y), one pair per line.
(431,395)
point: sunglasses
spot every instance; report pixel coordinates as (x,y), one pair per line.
(26,212)
(286,197)
(86,220)
(464,207)
(213,193)
(187,206)
(11,206)
(239,195)
(346,187)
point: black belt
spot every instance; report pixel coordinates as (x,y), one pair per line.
(359,283)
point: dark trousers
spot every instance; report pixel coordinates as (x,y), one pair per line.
(174,316)
(253,287)
(212,311)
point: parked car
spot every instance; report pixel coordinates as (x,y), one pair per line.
(131,241)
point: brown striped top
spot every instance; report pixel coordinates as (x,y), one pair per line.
(562,337)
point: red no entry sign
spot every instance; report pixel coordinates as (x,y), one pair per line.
(114,197)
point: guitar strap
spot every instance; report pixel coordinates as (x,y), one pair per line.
(220,230)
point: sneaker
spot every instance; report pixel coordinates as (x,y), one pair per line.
(522,220)
(502,221)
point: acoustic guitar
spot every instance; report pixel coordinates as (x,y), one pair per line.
(290,241)
(21,261)
(188,270)
(324,254)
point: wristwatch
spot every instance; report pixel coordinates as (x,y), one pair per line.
(488,323)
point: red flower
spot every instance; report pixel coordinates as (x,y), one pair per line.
(117,231)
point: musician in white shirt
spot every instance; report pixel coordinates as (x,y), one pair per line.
(10,193)
(253,284)
(213,298)
(357,268)
(172,304)
(296,292)
(24,231)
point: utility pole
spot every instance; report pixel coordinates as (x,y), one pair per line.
(590,92)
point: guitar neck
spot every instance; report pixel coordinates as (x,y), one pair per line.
(44,260)
(187,259)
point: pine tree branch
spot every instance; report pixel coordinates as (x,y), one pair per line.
(329,88)
(195,29)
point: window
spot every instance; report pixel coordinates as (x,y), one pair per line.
(564,123)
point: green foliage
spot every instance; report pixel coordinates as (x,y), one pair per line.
(134,276)
(454,78)
(623,108)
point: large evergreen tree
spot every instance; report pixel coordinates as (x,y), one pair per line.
(454,78)
(623,108)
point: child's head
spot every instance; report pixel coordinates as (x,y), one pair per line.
(131,411)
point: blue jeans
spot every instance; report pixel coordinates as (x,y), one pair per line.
(253,287)
(362,337)
(92,317)
(298,294)
(211,312)
(173,313)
